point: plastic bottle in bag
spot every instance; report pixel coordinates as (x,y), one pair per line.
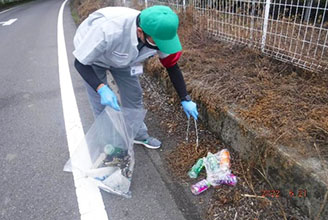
(212,168)
(114,151)
(108,154)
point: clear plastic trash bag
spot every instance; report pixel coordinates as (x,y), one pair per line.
(105,155)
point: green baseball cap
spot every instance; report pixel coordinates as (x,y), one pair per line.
(161,23)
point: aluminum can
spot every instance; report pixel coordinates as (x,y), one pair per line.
(200,187)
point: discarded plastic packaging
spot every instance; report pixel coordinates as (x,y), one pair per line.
(230,180)
(213,170)
(117,182)
(217,170)
(223,156)
(100,173)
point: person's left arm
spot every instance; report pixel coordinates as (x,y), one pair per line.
(170,62)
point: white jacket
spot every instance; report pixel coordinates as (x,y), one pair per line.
(108,38)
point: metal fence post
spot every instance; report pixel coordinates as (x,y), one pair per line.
(146,3)
(252,20)
(308,10)
(265,23)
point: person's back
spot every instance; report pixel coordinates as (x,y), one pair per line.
(107,38)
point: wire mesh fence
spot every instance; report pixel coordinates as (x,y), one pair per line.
(290,30)
(294,31)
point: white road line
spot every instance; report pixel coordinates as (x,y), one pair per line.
(9,22)
(90,202)
(1,12)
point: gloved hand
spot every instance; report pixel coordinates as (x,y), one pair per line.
(108,97)
(190,108)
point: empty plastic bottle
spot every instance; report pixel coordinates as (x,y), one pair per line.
(114,151)
(196,168)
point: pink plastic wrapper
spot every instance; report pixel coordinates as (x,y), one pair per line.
(230,180)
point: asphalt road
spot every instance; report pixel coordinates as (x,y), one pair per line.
(33,144)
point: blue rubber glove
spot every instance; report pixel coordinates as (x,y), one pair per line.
(108,97)
(190,108)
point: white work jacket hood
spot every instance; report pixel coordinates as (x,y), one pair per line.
(108,38)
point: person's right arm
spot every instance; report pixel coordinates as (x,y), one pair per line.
(88,74)
(90,42)
(107,96)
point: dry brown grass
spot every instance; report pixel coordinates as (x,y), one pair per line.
(88,6)
(186,155)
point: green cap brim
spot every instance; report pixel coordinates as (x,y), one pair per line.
(169,46)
